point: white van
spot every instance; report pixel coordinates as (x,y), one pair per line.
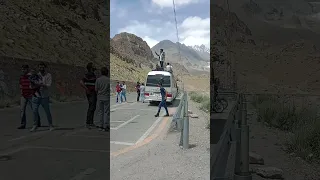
(152,91)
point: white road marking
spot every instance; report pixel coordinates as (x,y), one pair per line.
(117,121)
(146,134)
(83,174)
(121,143)
(127,122)
(30,135)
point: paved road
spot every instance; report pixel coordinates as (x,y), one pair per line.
(71,151)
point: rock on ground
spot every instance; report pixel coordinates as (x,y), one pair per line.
(255,158)
(270,172)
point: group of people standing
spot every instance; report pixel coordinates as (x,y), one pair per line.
(35,86)
(121,92)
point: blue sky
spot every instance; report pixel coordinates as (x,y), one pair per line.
(153,20)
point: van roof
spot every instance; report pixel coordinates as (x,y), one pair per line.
(165,73)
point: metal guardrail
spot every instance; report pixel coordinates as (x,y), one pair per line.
(230,157)
(181,120)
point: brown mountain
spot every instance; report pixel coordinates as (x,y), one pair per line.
(132,48)
(267,58)
(74,32)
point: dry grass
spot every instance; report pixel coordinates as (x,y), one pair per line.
(121,70)
(301,121)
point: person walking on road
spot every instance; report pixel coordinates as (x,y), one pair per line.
(138,91)
(161,57)
(118,92)
(124,92)
(102,88)
(88,83)
(163,102)
(26,95)
(142,89)
(42,97)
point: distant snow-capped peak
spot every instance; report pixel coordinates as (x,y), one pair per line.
(201,48)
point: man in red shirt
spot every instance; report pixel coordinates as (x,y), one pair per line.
(118,91)
(26,95)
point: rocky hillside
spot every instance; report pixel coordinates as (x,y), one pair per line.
(189,56)
(74,31)
(268,59)
(132,49)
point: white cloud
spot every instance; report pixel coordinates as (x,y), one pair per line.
(168,3)
(192,31)
(121,12)
(151,42)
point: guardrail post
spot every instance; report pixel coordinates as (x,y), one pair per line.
(182,114)
(186,124)
(244,168)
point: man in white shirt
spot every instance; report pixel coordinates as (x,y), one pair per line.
(161,57)
(169,68)
(123,92)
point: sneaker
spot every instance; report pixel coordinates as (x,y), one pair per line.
(88,126)
(22,127)
(33,129)
(157,115)
(51,128)
(166,115)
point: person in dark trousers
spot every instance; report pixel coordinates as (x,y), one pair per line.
(88,83)
(118,91)
(138,91)
(163,102)
(26,95)
(42,83)
(161,58)
(102,87)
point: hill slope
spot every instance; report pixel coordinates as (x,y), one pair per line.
(74,31)
(285,61)
(189,56)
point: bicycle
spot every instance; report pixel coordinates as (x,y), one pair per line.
(219,104)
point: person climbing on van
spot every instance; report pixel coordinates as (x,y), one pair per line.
(162,57)
(163,102)
(169,68)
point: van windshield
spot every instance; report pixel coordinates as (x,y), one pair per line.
(153,80)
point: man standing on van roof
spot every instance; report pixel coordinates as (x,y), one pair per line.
(163,102)
(161,57)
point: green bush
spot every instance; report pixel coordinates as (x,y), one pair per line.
(303,122)
(204,101)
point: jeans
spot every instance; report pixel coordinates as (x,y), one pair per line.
(104,106)
(23,106)
(163,103)
(119,97)
(45,103)
(161,64)
(92,101)
(123,95)
(138,95)
(142,97)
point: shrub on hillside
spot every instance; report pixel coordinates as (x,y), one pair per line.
(303,123)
